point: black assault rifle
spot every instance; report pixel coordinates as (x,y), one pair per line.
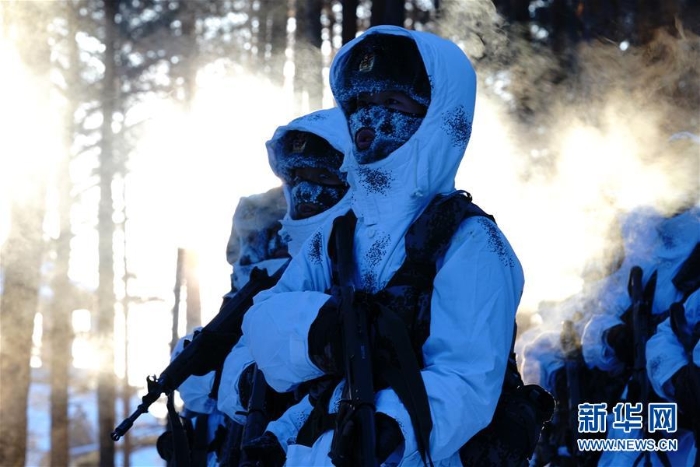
(641,298)
(358,396)
(639,390)
(573,364)
(208,348)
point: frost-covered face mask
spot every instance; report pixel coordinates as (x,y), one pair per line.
(383,87)
(381,124)
(314,190)
(310,167)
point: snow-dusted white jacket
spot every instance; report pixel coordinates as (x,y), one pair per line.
(330,125)
(477,288)
(665,354)
(254,214)
(675,239)
(640,242)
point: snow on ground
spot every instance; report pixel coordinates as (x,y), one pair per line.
(83,432)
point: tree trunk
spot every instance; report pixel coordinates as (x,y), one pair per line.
(21,258)
(22,253)
(60,332)
(175,336)
(126,389)
(349,20)
(390,12)
(106,383)
(308,80)
(273,38)
(193,302)
(60,335)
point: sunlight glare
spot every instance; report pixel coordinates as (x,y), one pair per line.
(24,157)
(189,173)
(559,217)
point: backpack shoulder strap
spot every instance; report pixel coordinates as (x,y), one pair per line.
(429,236)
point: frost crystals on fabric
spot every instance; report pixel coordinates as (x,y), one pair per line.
(457,125)
(304,191)
(391,130)
(668,241)
(316,117)
(373,258)
(375,181)
(496,242)
(316,248)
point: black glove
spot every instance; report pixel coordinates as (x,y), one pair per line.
(389,436)
(264,451)
(686,382)
(325,339)
(245,385)
(620,339)
(164,446)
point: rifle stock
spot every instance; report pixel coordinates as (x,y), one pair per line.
(208,348)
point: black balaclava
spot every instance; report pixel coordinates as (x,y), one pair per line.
(378,63)
(301,149)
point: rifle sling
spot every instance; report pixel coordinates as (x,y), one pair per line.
(181,451)
(402,373)
(200,444)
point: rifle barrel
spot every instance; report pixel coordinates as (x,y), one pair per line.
(208,348)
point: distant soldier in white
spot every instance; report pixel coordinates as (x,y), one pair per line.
(425,337)
(673,353)
(552,355)
(615,341)
(306,155)
(609,338)
(254,242)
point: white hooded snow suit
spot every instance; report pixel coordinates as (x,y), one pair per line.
(662,245)
(330,125)
(477,288)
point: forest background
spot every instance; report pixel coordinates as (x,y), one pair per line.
(129,129)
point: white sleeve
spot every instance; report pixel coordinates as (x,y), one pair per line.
(595,349)
(665,355)
(277,325)
(541,359)
(692,314)
(236,362)
(476,293)
(286,428)
(195,390)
